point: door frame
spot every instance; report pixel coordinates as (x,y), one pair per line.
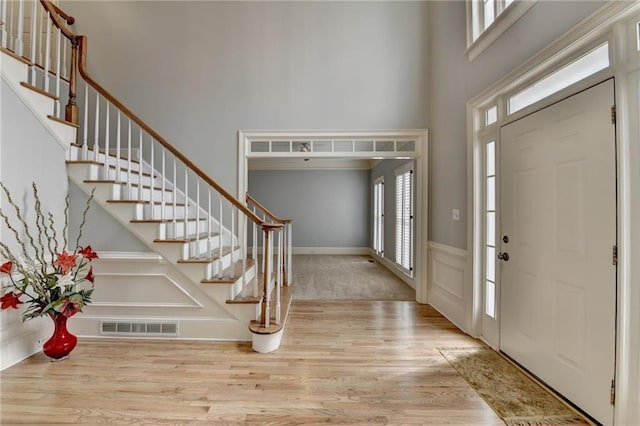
(419,154)
(616,23)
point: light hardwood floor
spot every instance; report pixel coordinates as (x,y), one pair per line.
(340,363)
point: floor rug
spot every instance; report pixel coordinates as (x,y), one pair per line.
(516,398)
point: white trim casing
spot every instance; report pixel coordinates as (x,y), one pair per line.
(420,154)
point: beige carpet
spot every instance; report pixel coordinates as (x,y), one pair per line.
(517,399)
(328,277)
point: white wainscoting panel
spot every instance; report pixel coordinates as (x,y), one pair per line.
(143,287)
(447,277)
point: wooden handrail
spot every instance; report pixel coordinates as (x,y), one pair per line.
(266,211)
(55,12)
(80,42)
(70,19)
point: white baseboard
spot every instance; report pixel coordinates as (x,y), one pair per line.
(410,281)
(359,251)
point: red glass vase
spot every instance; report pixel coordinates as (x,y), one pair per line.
(61,342)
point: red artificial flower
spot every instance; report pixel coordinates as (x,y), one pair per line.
(10,300)
(90,276)
(88,253)
(66,261)
(6,267)
(70,306)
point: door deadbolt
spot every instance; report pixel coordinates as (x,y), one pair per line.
(505,239)
(503,256)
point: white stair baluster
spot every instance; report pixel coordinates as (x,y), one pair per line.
(3,18)
(163,181)
(289,255)
(266,243)
(233,234)
(209,227)
(278,276)
(107,129)
(174,185)
(254,252)
(129,162)
(58,44)
(85,125)
(57,72)
(96,140)
(220,240)
(243,250)
(41,42)
(186,202)
(19,43)
(34,20)
(118,132)
(47,52)
(197,217)
(151,181)
(140,159)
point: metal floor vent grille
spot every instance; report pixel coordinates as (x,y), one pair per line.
(139,328)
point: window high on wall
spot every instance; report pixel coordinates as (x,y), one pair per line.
(378,216)
(404,218)
(488,19)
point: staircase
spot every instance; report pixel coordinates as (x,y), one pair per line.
(146,184)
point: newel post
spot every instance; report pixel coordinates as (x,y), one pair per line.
(265,315)
(71,109)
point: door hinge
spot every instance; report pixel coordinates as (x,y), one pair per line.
(613,392)
(613,114)
(614,255)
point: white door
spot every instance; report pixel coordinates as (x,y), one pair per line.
(558,212)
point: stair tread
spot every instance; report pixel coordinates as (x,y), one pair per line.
(227,278)
(15,56)
(286,296)
(214,256)
(38,90)
(124,183)
(111,166)
(101,151)
(167,203)
(191,219)
(202,235)
(63,121)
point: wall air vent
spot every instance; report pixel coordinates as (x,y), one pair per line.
(152,329)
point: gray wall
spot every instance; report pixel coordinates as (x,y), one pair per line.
(387,168)
(329,208)
(200,71)
(455,80)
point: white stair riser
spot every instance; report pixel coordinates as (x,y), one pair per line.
(13,69)
(122,191)
(201,247)
(82,153)
(175,230)
(157,211)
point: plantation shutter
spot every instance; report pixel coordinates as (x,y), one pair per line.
(404,218)
(378,216)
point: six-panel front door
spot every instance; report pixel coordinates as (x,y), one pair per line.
(558,209)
